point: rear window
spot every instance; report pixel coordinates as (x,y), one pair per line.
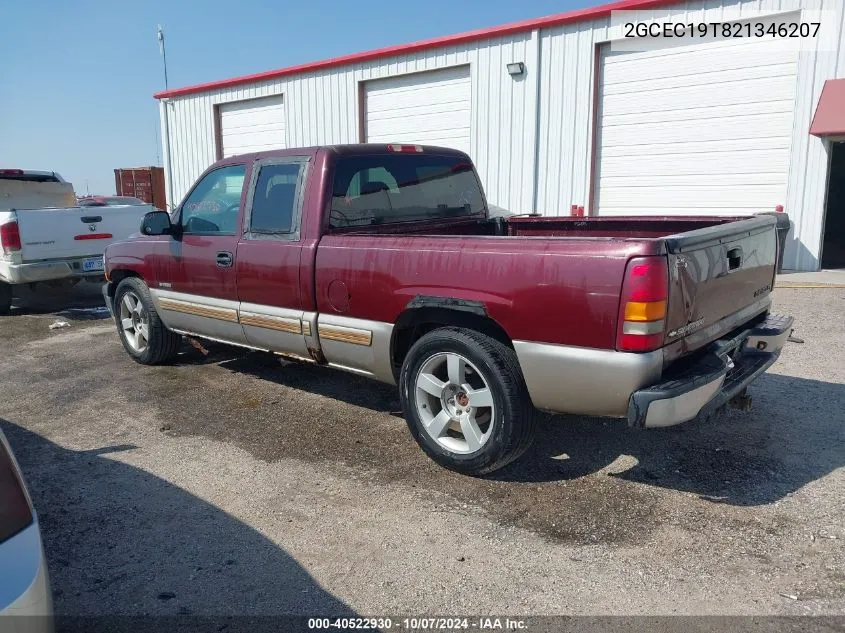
(387,188)
(124,200)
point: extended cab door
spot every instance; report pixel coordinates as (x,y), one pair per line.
(197,288)
(268,258)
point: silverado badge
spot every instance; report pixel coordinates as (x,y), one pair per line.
(689,327)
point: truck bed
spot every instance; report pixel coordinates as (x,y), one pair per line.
(648,227)
(615,227)
(721,271)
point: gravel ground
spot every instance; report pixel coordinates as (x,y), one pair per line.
(233,484)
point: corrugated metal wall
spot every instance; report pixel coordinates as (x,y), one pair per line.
(566,115)
(322,108)
(532,136)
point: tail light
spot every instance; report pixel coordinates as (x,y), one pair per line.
(10,237)
(15,513)
(642,310)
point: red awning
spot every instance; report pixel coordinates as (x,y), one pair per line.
(830,113)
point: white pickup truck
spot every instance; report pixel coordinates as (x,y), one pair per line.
(45,237)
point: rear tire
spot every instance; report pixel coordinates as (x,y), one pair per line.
(465,401)
(145,338)
(5,297)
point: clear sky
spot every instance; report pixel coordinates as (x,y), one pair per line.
(77,76)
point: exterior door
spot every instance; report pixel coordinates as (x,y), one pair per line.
(268,258)
(430,108)
(199,293)
(250,126)
(695,127)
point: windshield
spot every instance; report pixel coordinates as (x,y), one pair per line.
(387,188)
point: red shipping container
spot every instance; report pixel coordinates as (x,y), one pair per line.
(144,183)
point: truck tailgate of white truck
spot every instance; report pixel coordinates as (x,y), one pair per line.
(76,231)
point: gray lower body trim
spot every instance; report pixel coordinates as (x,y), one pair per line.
(586,381)
(358,345)
(213,318)
(275,329)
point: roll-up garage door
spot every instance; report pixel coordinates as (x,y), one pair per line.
(696,129)
(252,126)
(430,108)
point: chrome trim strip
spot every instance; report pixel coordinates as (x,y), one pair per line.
(352,370)
(217,340)
(282,324)
(355,336)
(275,312)
(186,307)
(295,357)
(586,381)
(216,318)
(277,329)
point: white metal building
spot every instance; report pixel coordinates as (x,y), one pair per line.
(692,127)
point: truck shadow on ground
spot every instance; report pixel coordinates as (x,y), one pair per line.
(81,302)
(792,436)
(123,542)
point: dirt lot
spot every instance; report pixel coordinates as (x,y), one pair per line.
(232,484)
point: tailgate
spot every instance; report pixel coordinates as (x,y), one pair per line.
(75,231)
(719,278)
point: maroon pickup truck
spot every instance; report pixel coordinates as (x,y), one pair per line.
(382,260)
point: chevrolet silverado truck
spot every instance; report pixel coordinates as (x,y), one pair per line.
(381,260)
(45,238)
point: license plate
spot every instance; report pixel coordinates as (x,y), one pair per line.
(92,264)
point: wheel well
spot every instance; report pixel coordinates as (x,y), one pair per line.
(115,277)
(416,322)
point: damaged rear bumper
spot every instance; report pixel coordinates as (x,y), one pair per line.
(722,374)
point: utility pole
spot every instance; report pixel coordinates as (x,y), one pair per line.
(160,34)
(163,109)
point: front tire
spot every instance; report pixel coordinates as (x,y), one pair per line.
(465,401)
(145,338)
(5,297)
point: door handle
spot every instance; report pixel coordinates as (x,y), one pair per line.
(224,259)
(734,258)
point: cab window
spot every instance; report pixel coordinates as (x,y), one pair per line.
(274,206)
(212,207)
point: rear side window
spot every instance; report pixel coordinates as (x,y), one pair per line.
(387,188)
(274,203)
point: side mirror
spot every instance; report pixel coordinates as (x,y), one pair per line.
(156,223)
